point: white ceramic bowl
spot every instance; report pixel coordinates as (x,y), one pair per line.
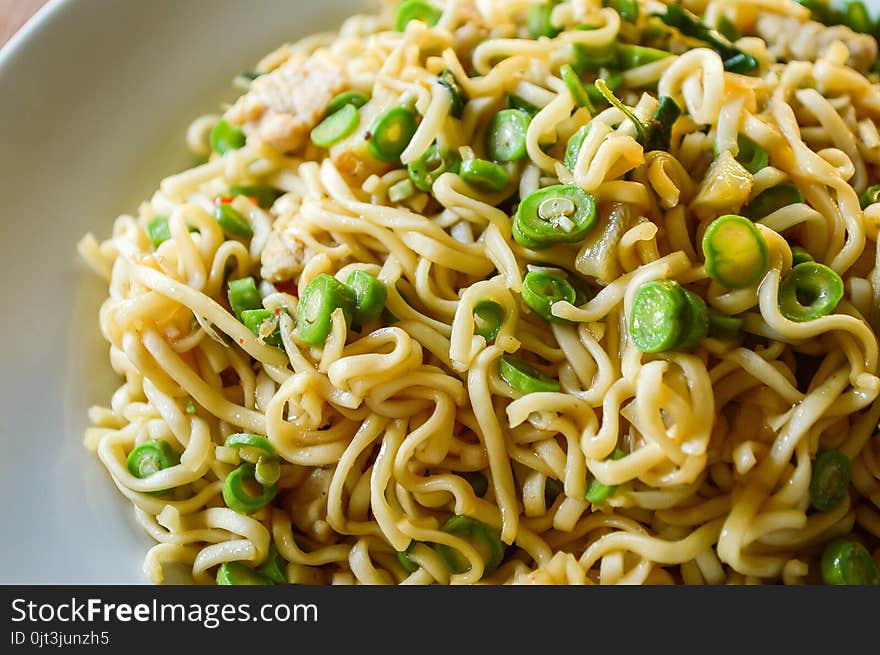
(96,98)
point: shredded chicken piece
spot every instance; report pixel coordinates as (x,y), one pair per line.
(283,257)
(283,106)
(791,38)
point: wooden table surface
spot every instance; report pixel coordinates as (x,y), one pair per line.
(14,14)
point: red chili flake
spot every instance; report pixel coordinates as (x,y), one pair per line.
(276,312)
(223,200)
(253,200)
(240,340)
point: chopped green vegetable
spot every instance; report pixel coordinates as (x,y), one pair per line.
(224,137)
(575,86)
(243,295)
(273,568)
(846,562)
(506,135)
(597,492)
(554,214)
(870,196)
(485,175)
(264,195)
(320,298)
(735,60)
(484,539)
(659,311)
(400,191)
(231,221)
(771,200)
(524,377)
(736,254)
(416,10)
(392,133)
(237,494)
(459,97)
(336,126)
(253,319)
(370,296)
(540,290)
(573,147)
(403,557)
(236,573)
(724,327)
(488,318)
(800,255)
(633,56)
(354,98)
(538,20)
(830,480)
(628,9)
(425,170)
(857,18)
(696,321)
(151,457)
(158,231)
(752,156)
(809,291)
(255,442)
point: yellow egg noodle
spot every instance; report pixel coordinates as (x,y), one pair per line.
(386,430)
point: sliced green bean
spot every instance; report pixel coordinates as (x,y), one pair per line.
(800,255)
(151,457)
(236,573)
(659,312)
(771,200)
(696,321)
(225,137)
(488,319)
(353,98)
(370,295)
(237,494)
(524,377)
(253,320)
(458,96)
(752,156)
(322,295)
(596,491)
(575,86)
(158,231)
(540,290)
(809,291)
(485,175)
(273,568)
(830,480)
(336,126)
(231,221)
(870,196)
(416,10)
(562,213)
(427,169)
(392,133)
(506,135)
(243,295)
(538,21)
(486,541)
(724,327)
(846,562)
(736,254)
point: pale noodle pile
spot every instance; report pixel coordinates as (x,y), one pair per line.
(374,428)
